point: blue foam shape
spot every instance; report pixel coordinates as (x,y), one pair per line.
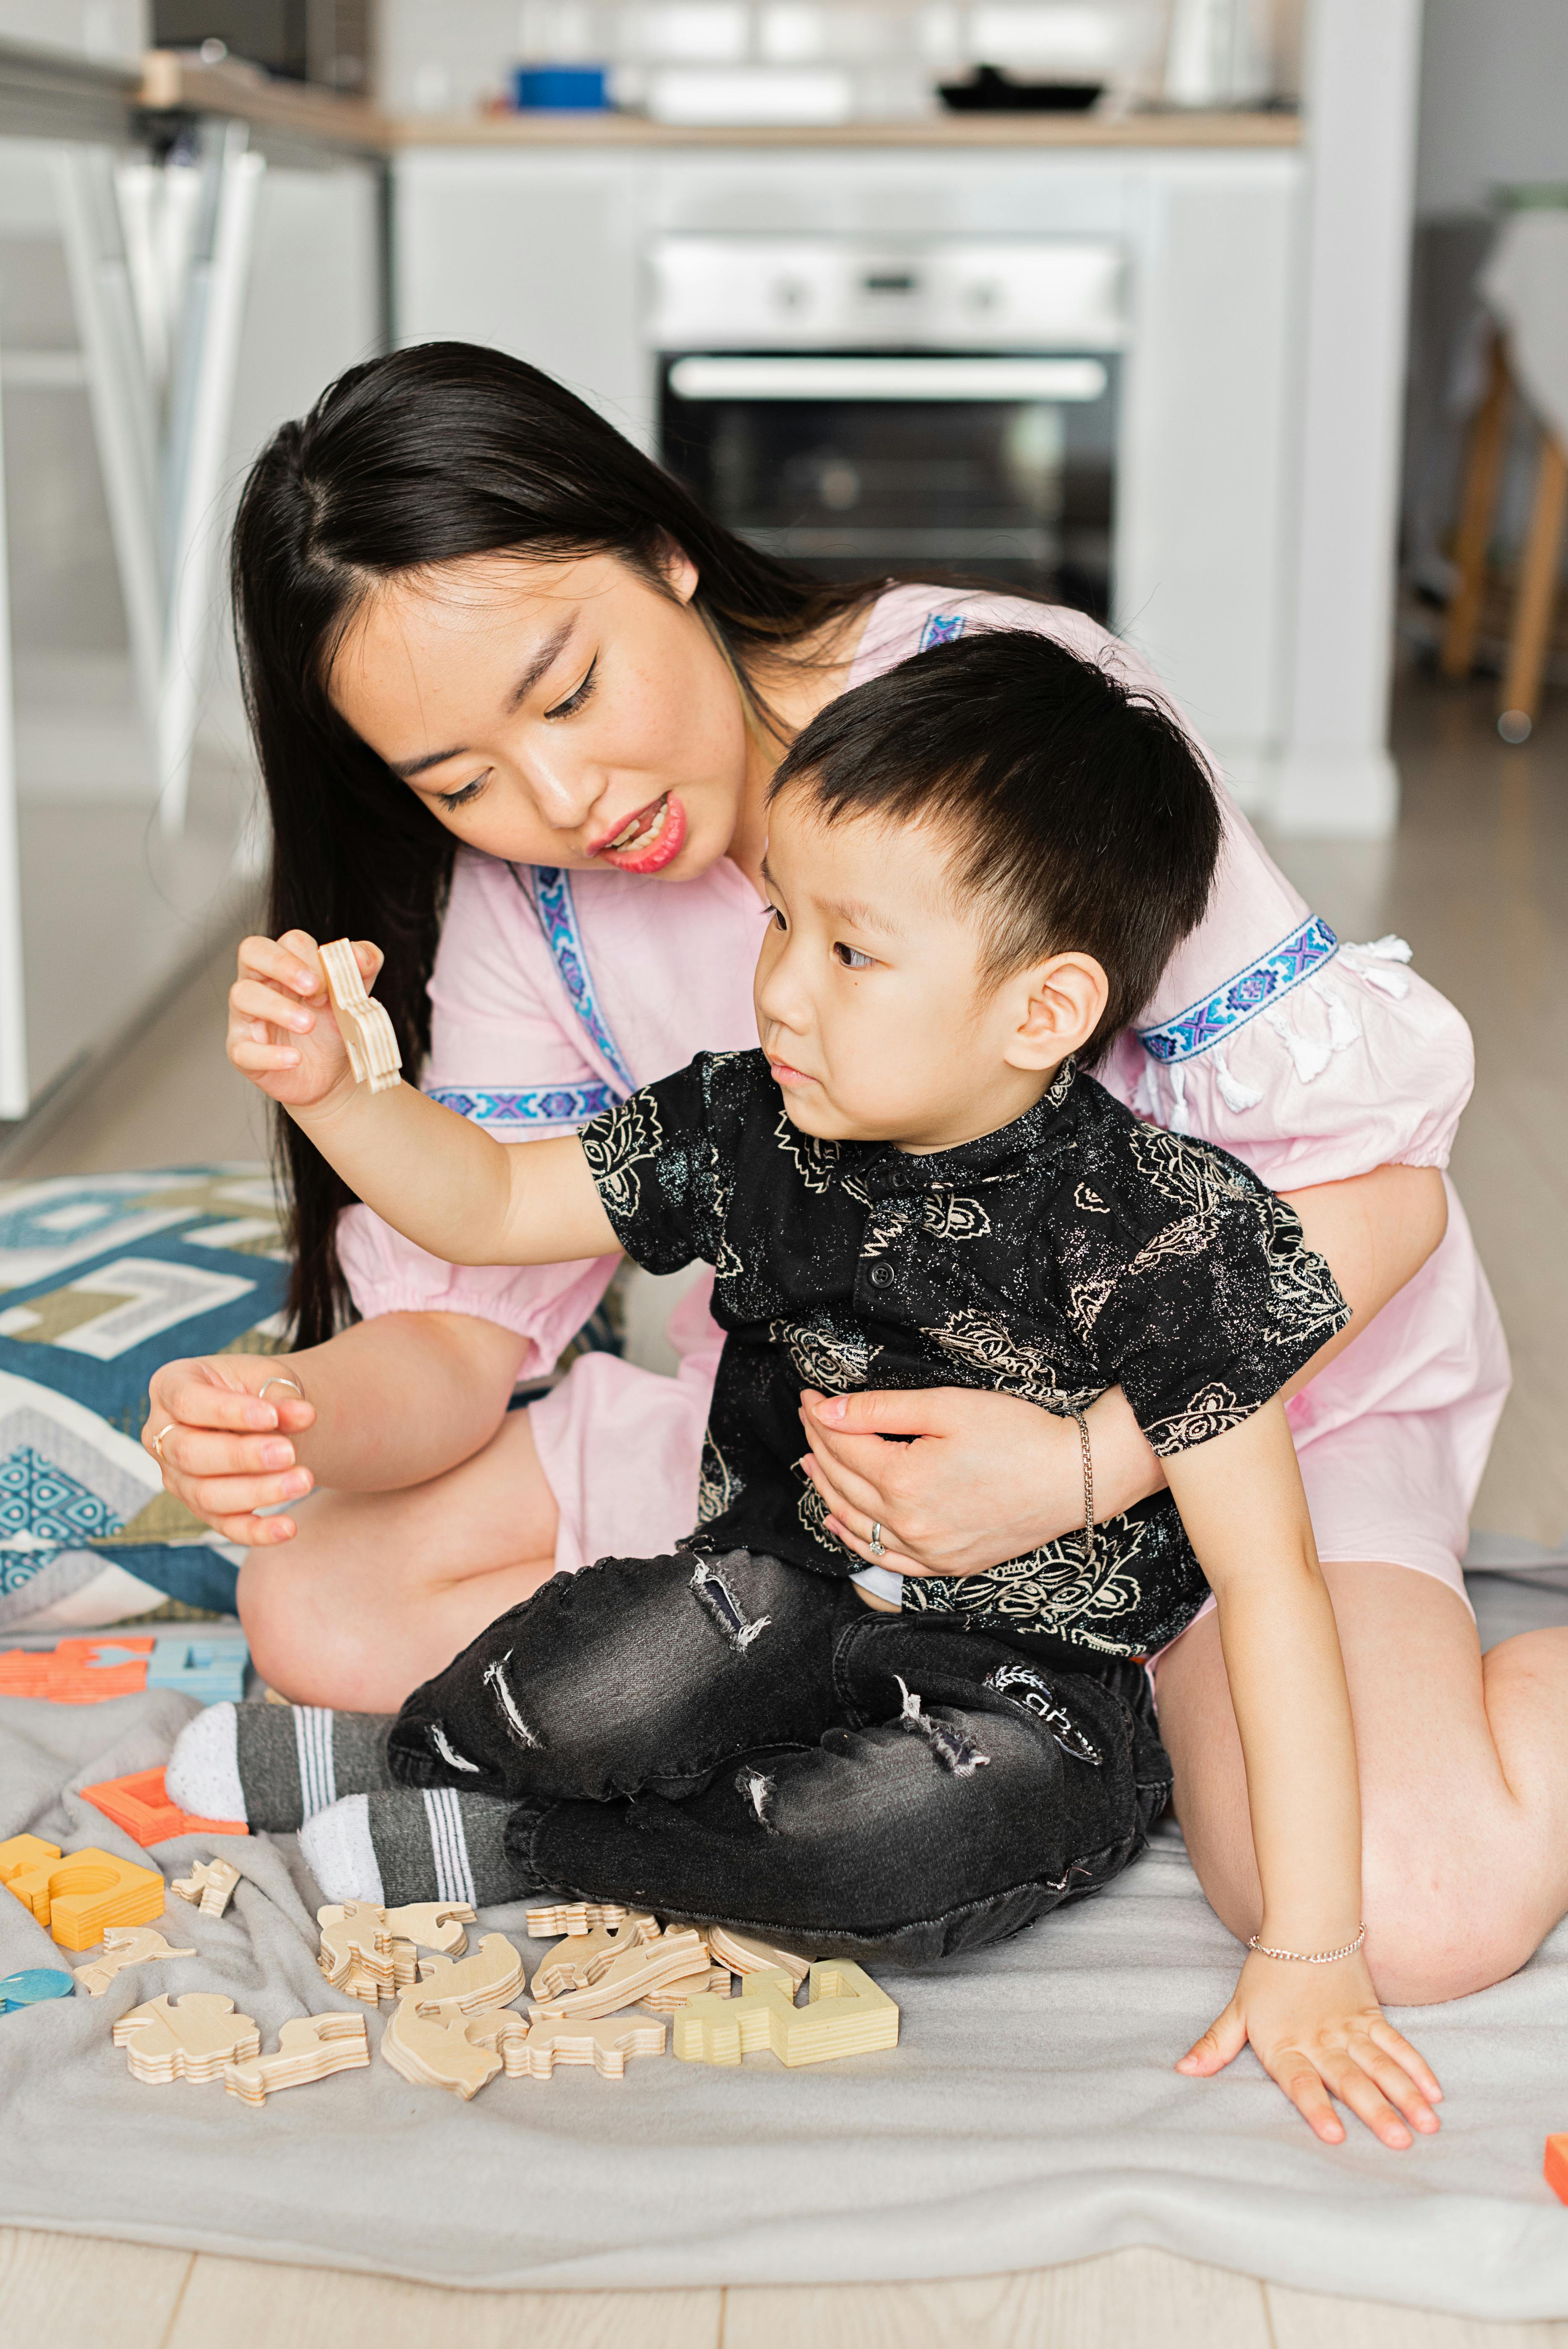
(32,1987)
(212,1670)
(108,1657)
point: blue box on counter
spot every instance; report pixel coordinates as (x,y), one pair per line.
(565,89)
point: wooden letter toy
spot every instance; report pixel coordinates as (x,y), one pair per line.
(125,1945)
(32,1987)
(212,1670)
(490,1975)
(572,1917)
(1555,2170)
(438,2051)
(140,1804)
(744,1955)
(605,2044)
(192,2040)
(78,1896)
(366,1032)
(628,1978)
(210,1882)
(588,1955)
(76,1671)
(310,2046)
(848,2015)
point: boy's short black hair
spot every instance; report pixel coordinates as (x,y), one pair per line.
(1080,813)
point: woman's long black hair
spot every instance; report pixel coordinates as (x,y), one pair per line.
(422,458)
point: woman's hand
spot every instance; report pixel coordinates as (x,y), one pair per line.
(283,1031)
(1319,2033)
(226,1450)
(987,1477)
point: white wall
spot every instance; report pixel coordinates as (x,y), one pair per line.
(114,31)
(1494,98)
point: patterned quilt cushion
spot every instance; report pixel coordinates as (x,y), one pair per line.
(102,1279)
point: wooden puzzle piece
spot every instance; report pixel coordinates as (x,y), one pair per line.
(123,1946)
(847,2015)
(310,2048)
(190,2039)
(76,1671)
(212,1882)
(570,1917)
(490,1975)
(356,1952)
(627,1980)
(212,1670)
(76,1895)
(712,1982)
(32,1987)
(585,1957)
(367,1032)
(433,1924)
(439,2051)
(606,2042)
(140,1804)
(744,1954)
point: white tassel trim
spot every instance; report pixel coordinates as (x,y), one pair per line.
(1180,1116)
(1342,1029)
(1309,1058)
(1371,963)
(1235,1095)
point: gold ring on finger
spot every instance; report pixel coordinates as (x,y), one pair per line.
(158,1441)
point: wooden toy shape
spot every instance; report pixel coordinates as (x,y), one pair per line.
(20,1853)
(433,1924)
(628,1978)
(439,2051)
(572,1917)
(310,2048)
(125,1945)
(212,1670)
(32,1987)
(848,2015)
(140,1804)
(363,1023)
(744,1955)
(76,1671)
(192,2040)
(1554,2170)
(605,2043)
(713,1981)
(490,1975)
(78,1894)
(588,1955)
(356,1952)
(210,1882)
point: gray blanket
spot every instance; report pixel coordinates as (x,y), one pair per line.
(1029,2115)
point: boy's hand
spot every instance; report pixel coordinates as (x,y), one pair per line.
(1319,2032)
(283,1031)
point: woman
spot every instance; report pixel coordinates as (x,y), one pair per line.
(516,700)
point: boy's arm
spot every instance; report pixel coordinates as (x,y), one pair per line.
(1317,2029)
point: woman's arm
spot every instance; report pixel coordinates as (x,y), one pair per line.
(1317,2029)
(989,1477)
(388,1403)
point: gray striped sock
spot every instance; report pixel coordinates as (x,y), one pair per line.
(296,1760)
(436,1844)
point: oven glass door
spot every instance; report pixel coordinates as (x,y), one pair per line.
(947,467)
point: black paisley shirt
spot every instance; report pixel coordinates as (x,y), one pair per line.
(1076,1249)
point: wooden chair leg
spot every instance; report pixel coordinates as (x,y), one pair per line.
(1537,595)
(1483,469)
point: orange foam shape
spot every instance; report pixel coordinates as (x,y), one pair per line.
(140,1804)
(1555,2167)
(69,1675)
(79,1894)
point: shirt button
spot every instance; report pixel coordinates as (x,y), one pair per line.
(883,1275)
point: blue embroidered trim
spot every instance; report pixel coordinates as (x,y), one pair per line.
(942,629)
(499,1106)
(1252,990)
(551,894)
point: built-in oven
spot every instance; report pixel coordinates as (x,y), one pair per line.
(942,410)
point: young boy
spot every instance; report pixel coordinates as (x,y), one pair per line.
(978,865)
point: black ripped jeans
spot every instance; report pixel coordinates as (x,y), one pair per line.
(736,1741)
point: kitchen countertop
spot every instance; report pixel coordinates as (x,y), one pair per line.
(170,83)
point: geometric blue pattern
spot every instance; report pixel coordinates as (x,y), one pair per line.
(497,1106)
(549,886)
(1263,984)
(941,628)
(48,1509)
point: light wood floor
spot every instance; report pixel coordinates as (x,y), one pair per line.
(1478,879)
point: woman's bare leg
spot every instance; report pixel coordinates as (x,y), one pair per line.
(379,1590)
(1464,1782)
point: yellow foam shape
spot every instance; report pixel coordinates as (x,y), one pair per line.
(78,1895)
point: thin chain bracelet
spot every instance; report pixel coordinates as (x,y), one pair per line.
(1088,1489)
(1320,1958)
